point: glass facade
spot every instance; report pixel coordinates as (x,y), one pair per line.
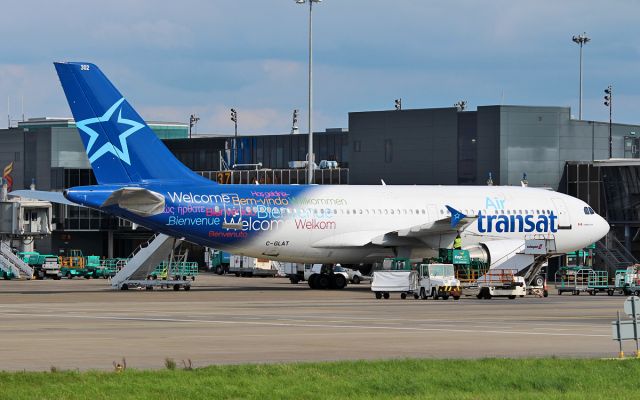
(275,151)
(583,180)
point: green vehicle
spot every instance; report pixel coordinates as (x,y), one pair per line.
(397,264)
(44,265)
(77,265)
(111,266)
(6,273)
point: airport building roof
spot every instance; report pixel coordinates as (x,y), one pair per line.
(163,129)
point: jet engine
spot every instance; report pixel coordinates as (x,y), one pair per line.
(504,254)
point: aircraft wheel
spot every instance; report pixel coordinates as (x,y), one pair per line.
(340,281)
(323,281)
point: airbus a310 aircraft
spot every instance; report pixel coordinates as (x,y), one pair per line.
(139,179)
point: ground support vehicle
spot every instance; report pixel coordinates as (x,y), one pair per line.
(573,280)
(49,268)
(438,281)
(385,282)
(599,282)
(249,266)
(397,264)
(467,269)
(183,270)
(326,276)
(94,268)
(7,273)
(627,281)
(111,266)
(44,265)
(294,271)
(356,276)
(73,265)
(151,283)
(501,283)
(217,261)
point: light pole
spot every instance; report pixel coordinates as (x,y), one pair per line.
(581,40)
(608,101)
(310,162)
(234,118)
(294,125)
(193,120)
(398,104)
(461,105)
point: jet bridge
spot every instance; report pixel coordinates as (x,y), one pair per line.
(21,221)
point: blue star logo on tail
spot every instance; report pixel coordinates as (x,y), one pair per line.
(123,152)
(456,216)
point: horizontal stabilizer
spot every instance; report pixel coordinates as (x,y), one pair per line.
(53,197)
(142,202)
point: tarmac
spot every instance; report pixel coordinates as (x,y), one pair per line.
(84,324)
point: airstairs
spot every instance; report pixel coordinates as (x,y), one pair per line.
(529,258)
(137,272)
(12,265)
(541,247)
(614,254)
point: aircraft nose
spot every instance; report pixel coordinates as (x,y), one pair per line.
(601,228)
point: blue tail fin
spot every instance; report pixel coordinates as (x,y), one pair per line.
(120,146)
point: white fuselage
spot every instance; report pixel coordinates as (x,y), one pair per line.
(358,223)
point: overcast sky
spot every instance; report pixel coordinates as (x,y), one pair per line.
(174,58)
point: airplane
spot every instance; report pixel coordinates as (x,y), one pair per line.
(140,180)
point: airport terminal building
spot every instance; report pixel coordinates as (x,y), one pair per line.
(441,146)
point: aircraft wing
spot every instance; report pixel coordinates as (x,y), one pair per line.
(439,227)
(53,197)
(349,239)
(451,224)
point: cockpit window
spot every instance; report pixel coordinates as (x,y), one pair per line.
(586,210)
(589,211)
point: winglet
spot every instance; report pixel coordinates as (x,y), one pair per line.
(456,216)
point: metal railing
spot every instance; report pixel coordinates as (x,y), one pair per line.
(334,176)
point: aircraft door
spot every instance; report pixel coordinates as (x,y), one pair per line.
(564,218)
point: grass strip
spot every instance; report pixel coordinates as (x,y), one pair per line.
(395,379)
